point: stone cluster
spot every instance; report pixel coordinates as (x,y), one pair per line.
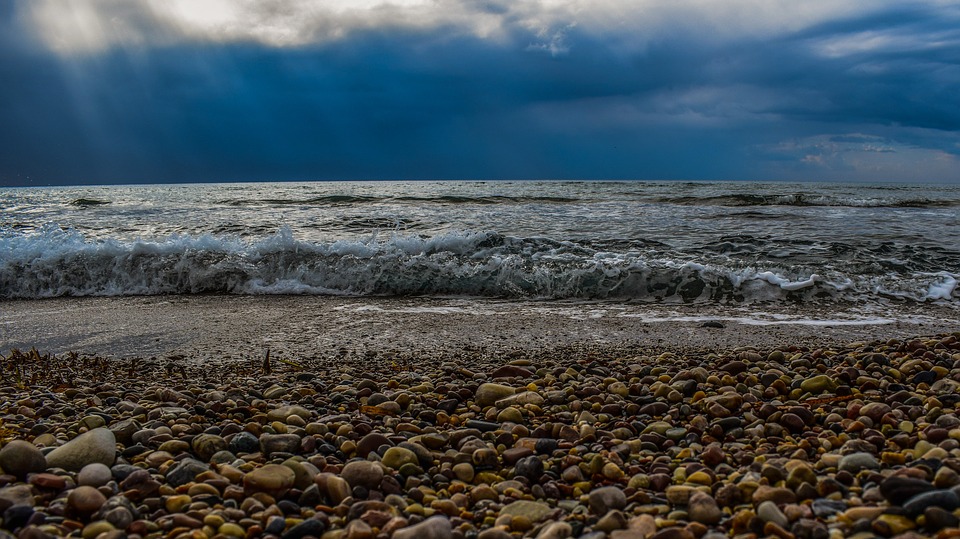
(856,440)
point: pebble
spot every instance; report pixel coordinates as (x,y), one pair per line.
(18,458)
(702,508)
(85,500)
(97,445)
(855,462)
(363,473)
(272,479)
(94,475)
(489,393)
(605,499)
(769,512)
(530,510)
(706,445)
(435,527)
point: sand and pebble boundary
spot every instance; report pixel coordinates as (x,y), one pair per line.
(683,431)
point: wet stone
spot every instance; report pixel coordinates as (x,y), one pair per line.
(605,499)
(97,445)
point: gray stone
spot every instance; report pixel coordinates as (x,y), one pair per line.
(185,471)
(944,499)
(363,473)
(556,530)
(310,527)
(94,475)
(279,443)
(855,462)
(535,511)
(769,512)
(243,443)
(604,499)
(19,458)
(205,446)
(703,508)
(124,430)
(435,527)
(97,445)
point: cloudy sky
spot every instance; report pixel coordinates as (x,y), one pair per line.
(124,91)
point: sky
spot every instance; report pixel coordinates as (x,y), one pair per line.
(154,91)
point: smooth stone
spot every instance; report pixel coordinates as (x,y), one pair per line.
(489,393)
(206,446)
(124,429)
(19,457)
(334,487)
(369,443)
(890,525)
(855,462)
(679,494)
(936,519)
(243,443)
(702,508)
(185,471)
(97,445)
(533,511)
(806,528)
(897,490)
(273,479)
(944,499)
(85,500)
(97,528)
(94,475)
(464,472)
(283,412)
(435,527)
(510,414)
(818,384)
(769,512)
(16,495)
(395,457)
(604,499)
(613,520)
(310,527)
(363,473)
(520,399)
(279,443)
(777,495)
(556,530)
(510,371)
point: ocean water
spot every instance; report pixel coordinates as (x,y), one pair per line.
(644,242)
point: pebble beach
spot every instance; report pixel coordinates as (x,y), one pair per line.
(856,439)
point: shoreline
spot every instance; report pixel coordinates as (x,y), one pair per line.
(234,328)
(803,441)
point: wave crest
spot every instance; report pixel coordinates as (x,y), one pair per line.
(54,262)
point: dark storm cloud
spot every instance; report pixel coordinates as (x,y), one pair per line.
(559,101)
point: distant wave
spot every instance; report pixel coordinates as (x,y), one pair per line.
(83,202)
(807,200)
(352,199)
(54,262)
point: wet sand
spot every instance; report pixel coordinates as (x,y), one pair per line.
(205,328)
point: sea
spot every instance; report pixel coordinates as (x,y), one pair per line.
(700,243)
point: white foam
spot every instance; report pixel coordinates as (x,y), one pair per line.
(54,262)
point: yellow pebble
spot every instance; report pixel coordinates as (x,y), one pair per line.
(175,503)
(214,521)
(232,530)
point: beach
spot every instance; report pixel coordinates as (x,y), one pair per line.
(215,328)
(165,416)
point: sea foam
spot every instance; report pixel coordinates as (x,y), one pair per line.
(54,262)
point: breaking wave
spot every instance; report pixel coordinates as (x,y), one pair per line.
(54,262)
